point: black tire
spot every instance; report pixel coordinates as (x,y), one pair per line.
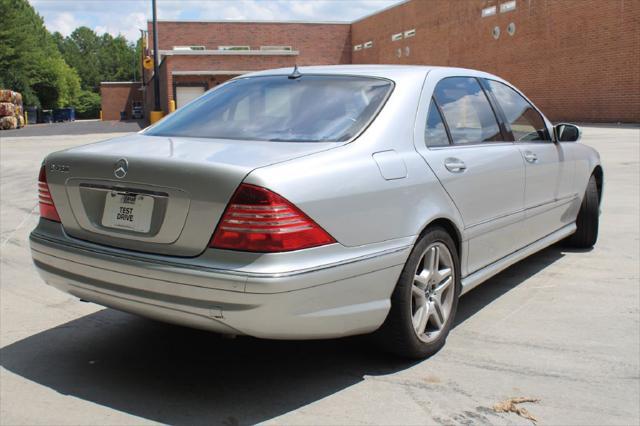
(397,334)
(587,222)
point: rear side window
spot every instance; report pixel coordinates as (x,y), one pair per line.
(467,111)
(526,123)
(311,108)
(435,133)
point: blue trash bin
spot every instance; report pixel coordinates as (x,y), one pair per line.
(46,116)
(64,114)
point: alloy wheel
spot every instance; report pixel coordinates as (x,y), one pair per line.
(432,292)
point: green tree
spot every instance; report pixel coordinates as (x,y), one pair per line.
(30,61)
(81,51)
(53,71)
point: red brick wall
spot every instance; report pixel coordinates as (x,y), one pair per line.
(318,44)
(118,97)
(578,60)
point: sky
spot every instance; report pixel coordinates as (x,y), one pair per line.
(127,16)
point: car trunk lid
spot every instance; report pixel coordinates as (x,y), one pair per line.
(177,188)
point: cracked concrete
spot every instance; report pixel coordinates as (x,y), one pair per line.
(562,326)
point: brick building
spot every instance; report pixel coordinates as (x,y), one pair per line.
(118,96)
(579,60)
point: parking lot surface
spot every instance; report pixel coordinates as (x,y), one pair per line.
(78,127)
(562,326)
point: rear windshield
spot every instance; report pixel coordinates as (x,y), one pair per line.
(311,108)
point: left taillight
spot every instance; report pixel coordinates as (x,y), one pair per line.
(47,208)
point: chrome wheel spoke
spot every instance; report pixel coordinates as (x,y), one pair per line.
(443,285)
(420,319)
(432,259)
(437,314)
(419,296)
(422,280)
(441,275)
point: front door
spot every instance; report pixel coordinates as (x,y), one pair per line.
(483,174)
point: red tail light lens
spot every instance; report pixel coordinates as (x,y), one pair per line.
(47,208)
(259,220)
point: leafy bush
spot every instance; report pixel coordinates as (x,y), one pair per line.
(87,105)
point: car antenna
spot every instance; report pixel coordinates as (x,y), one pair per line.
(295,74)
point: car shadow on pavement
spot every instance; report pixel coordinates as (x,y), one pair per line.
(505,281)
(174,375)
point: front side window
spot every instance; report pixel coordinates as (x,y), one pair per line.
(467,111)
(526,123)
(435,133)
(311,108)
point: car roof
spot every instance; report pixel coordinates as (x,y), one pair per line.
(392,72)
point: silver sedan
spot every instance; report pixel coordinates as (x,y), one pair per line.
(317,203)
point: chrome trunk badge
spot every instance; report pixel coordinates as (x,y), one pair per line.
(122,166)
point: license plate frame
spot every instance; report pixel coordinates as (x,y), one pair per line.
(128,211)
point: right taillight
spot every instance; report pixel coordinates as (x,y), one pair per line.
(260,220)
(47,208)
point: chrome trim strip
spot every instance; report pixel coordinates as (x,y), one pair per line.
(38,238)
(502,216)
(122,189)
(552,204)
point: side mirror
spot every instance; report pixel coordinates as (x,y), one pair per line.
(566,132)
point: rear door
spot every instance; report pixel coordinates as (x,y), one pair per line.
(546,164)
(465,146)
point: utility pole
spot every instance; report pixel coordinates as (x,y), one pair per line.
(142,48)
(156,114)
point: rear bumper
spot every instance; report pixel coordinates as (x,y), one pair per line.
(330,300)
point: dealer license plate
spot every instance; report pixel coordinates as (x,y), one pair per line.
(128,211)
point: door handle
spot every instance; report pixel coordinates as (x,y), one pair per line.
(530,157)
(455,165)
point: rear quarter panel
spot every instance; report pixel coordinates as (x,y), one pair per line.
(344,191)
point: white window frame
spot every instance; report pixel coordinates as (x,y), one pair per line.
(189,48)
(410,33)
(396,37)
(357,47)
(368,45)
(268,48)
(234,47)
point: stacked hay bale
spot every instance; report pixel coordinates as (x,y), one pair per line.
(11,110)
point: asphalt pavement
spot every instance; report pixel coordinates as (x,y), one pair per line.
(562,326)
(78,127)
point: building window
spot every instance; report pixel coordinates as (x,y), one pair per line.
(488,11)
(357,47)
(287,48)
(508,6)
(234,48)
(396,37)
(188,48)
(410,33)
(368,45)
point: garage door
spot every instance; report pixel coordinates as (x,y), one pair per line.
(185,94)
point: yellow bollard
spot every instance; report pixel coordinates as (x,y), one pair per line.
(172,106)
(26,118)
(100,115)
(155,116)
